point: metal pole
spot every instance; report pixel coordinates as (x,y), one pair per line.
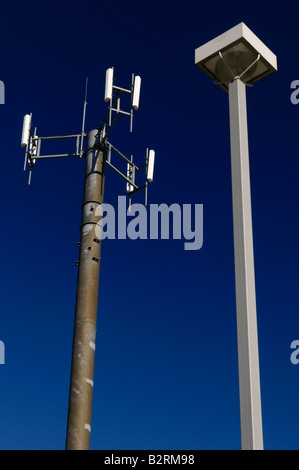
(82,372)
(248,359)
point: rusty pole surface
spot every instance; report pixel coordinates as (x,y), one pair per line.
(84,339)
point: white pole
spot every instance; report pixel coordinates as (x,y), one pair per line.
(248,359)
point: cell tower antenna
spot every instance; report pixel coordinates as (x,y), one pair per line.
(86,86)
(83,118)
(97,155)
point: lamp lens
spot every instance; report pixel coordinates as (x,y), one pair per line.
(238,61)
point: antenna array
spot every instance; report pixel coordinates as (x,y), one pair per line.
(113,95)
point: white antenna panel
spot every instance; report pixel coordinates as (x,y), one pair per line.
(130,187)
(150,166)
(136,92)
(26,130)
(109,84)
(34,145)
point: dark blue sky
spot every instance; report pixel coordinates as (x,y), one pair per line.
(166,373)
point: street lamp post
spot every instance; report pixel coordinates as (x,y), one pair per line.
(234,60)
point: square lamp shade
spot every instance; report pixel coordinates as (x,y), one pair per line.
(239,47)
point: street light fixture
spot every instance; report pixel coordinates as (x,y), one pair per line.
(236,53)
(235,60)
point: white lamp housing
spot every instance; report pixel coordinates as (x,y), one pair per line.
(26,130)
(150,166)
(239,47)
(109,84)
(136,92)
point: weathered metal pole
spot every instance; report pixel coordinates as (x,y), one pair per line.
(84,339)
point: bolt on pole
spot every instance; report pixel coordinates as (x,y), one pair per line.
(248,358)
(84,336)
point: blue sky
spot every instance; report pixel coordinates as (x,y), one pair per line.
(166,373)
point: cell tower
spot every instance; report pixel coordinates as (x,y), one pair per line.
(97,151)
